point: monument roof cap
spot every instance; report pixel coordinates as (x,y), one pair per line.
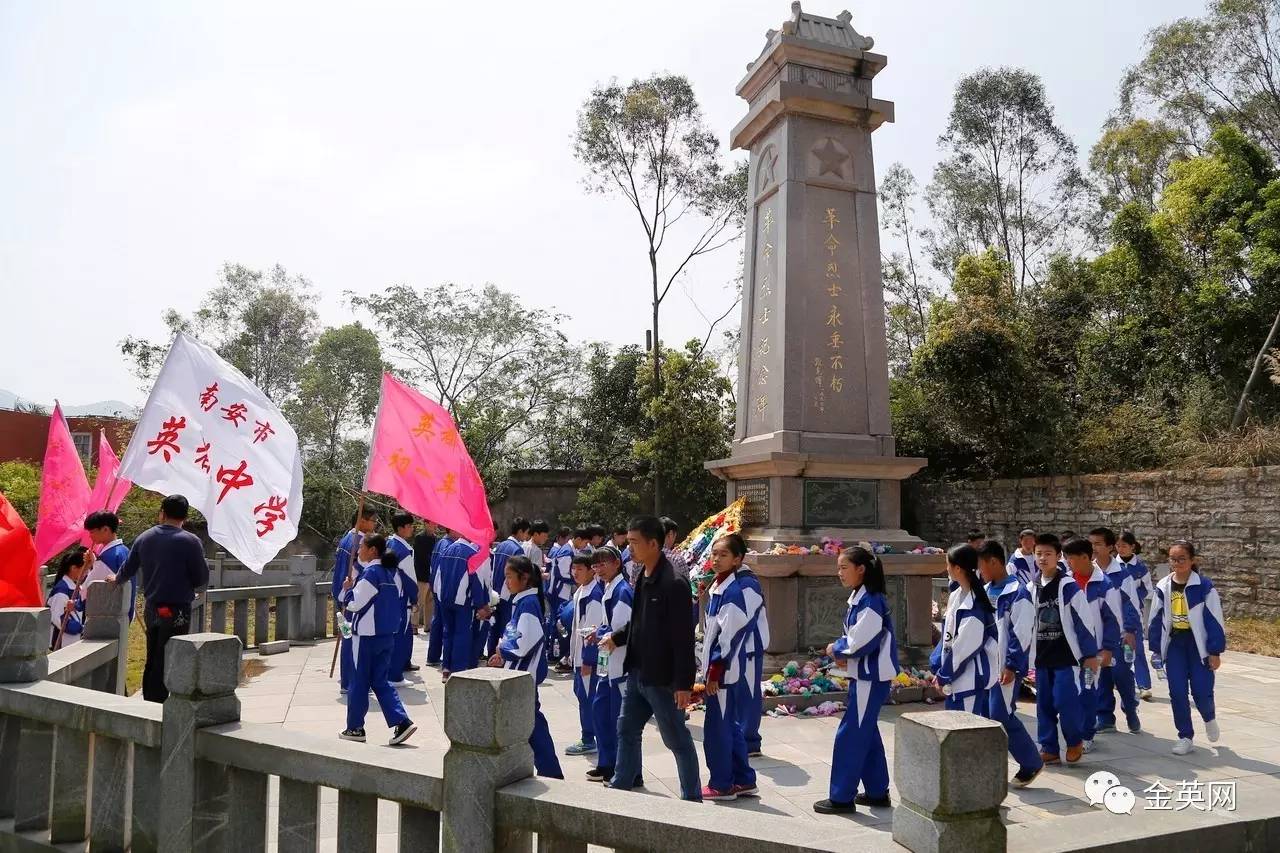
(830,32)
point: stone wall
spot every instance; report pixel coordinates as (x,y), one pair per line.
(549,494)
(1231,514)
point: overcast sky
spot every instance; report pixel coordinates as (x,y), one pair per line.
(143,144)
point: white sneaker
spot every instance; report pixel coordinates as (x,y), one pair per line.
(1087,746)
(401,683)
(1183,746)
(1211,729)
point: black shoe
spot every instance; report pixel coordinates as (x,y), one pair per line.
(599,774)
(1025,777)
(413,667)
(402,733)
(874,802)
(828,807)
(356,735)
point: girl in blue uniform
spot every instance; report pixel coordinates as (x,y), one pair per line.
(754,651)
(966,660)
(1187,631)
(66,607)
(869,653)
(374,605)
(523,648)
(586,612)
(608,699)
(1128,549)
(398,544)
(730,627)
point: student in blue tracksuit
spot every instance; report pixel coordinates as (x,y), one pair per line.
(435,640)
(586,614)
(399,545)
(102,527)
(607,705)
(512,546)
(1022,564)
(560,586)
(461,593)
(730,626)
(1128,549)
(869,652)
(1015,624)
(964,662)
(362,524)
(1103,600)
(1188,631)
(754,650)
(374,603)
(1062,646)
(522,648)
(66,605)
(1118,678)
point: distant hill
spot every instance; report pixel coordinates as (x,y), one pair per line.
(109,408)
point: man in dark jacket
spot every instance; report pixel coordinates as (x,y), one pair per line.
(172,565)
(659,664)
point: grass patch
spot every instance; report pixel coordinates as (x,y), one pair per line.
(1257,636)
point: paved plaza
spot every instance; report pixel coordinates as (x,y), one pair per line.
(294,691)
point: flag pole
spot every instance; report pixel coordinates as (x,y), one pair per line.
(355,549)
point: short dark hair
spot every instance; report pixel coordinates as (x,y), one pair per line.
(992,550)
(102,518)
(566,532)
(400,519)
(648,526)
(1049,540)
(973,534)
(175,507)
(581,560)
(367,513)
(1068,534)
(582,531)
(596,530)
(619,530)
(1078,548)
(669,525)
(519,524)
(1026,531)
(539,526)
(1108,535)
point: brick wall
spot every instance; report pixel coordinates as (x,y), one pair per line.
(1231,514)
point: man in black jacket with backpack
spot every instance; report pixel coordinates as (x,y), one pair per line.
(660,661)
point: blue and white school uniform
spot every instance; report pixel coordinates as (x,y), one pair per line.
(1143,584)
(1063,638)
(729,626)
(408,600)
(435,640)
(966,657)
(588,612)
(63,591)
(348,547)
(559,591)
(870,653)
(109,563)
(1184,641)
(1023,567)
(1118,678)
(460,594)
(521,648)
(1015,624)
(1104,603)
(754,651)
(616,600)
(373,603)
(496,576)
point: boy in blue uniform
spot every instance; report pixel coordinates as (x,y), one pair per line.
(1100,596)
(435,640)
(1118,678)
(102,527)
(1022,564)
(461,594)
(1015,625)
(363,524)
(399,545)
(607,705)
(374,602)
(586,615)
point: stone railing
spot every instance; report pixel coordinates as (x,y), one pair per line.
(188,775)
(288,601)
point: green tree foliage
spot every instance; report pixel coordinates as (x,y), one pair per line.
(20,484)
(602,418)
(1131,162)
(907,286)
(604,501)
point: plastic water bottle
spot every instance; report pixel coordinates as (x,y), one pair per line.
(1158,665)
(1128,654)
(602,661)
(345,628)
(1088,678)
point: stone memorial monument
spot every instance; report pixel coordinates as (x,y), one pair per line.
(814,452)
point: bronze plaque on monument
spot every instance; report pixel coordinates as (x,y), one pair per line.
(756,493)
(840,503)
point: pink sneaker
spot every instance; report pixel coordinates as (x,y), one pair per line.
(710,793)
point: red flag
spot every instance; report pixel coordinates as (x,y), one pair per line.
(108,490)
(19,581)
(419,459)
(64,491)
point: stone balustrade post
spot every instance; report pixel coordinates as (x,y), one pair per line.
(950,768)
(488,715)
(201,672)
(26,746)
(106,612)
(302,573)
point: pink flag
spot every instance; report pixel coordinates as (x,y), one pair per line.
(419,459)
(108,491)
(64,491)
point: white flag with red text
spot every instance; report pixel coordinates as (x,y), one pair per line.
(208,433)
